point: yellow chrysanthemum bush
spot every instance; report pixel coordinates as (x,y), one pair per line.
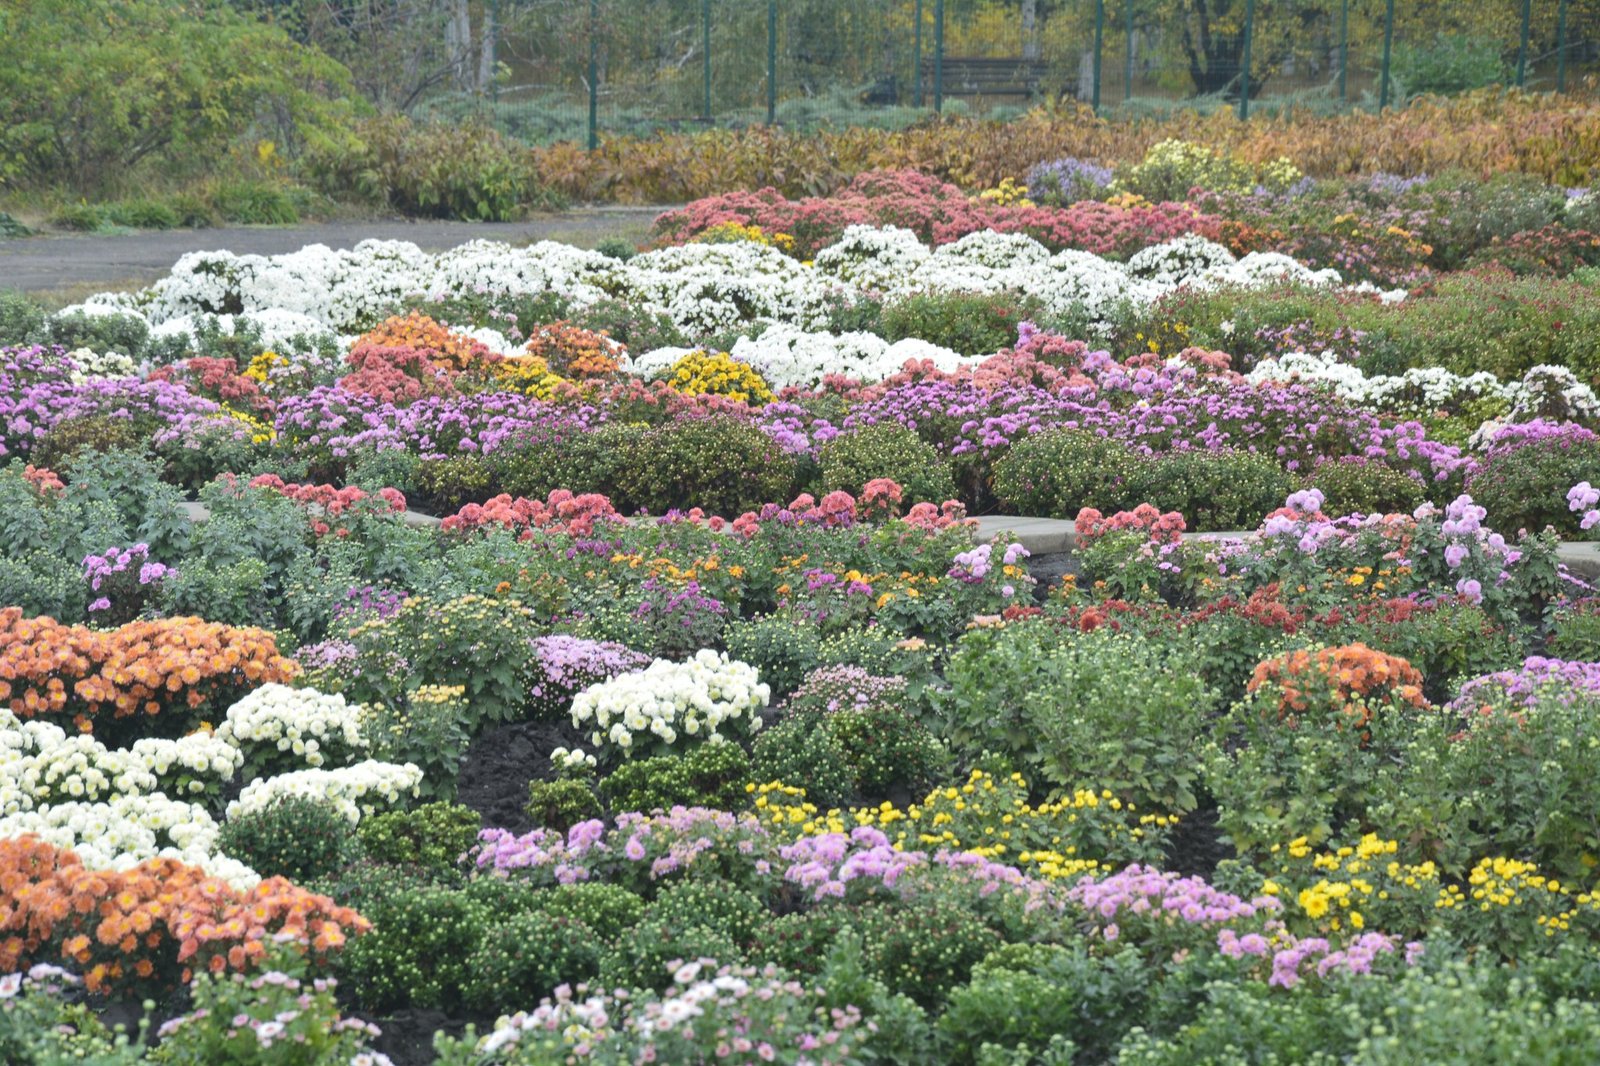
(1064,837)
(704,373)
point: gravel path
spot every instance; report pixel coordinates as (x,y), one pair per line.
(61,261)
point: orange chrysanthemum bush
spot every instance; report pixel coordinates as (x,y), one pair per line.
(576,352)
(143,930)
(1344,685)
(144,668)
(451,352)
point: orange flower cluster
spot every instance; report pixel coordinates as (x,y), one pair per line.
(150,926)
(50,668)
(1351,677)
(576,352)
(448,351)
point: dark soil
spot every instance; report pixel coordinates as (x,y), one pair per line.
(500,764)
(1197,845)
(1048,570)
(408,1035)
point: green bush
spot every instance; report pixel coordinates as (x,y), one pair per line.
(727,908)
(608,911)
(1357,485)
(641,959)
(20,317)
(95,434)
(923,950)
(1102,709)
(254,203)
(967,322)
(723,465)
(464,170)
(435,834)
(1060,471)
(125,334)
(1575,631)
(1526,487)
(526,958)
(1448,64)
(298,838)
(887,450)
(779,648)
(617,248)
(1211,489)
(710,775)
(534,466)
(99,96)
(83,217)
(420,950)
(562,803)
(142,214)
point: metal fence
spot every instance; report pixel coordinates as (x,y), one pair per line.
(578,70)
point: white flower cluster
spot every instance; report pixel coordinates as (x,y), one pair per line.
(298,721)
(575,759)
(703,288)
(354,791)
(785,355)
(128,830)
(1552,392)
(89,365)
(697,696)
(41,765)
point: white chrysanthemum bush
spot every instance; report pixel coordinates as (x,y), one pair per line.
(669,704)
(282,728)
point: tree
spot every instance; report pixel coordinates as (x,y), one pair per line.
(99,88)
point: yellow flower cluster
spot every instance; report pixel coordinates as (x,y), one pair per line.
(1009,193)
(718,374)
(734,232)
(1366,885)
(529,375)
(261,431)
(985,816)
(260,368)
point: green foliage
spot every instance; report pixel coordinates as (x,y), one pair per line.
(1575,631)
(780,649)
(1450,63)
(20,317)
(1355,485)
(562,803)
(125,334)
(431,728)
(608,911)
(1526,487)
(618,248)
(1115,710)
(98,96)
(72,437)
(434,835)
(887,450)
(923,951)
(294,837)
(1033,997)
(462,170)
(969,323)
(708,775)
(726,466)
(641,959)
(253,203)
(420,950)
(524,960)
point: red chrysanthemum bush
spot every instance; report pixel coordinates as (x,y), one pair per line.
(327,501)
(450,352)
(563,512)
(146,667)
(218,379)
(146,929)
(575,352)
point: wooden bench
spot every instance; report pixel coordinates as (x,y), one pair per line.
(986,76)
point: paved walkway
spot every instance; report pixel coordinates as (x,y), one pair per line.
(59,261)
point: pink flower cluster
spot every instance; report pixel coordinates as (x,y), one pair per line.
(1161,528)
(327,500)
(1582,499)
(562,512)
(826,864)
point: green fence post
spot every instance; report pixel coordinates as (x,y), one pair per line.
(1127,60)
(1099,39)
(1344,47)
(1388,46)
(772,62)
(1244,62)
(1522,49)
(938,57)
(1561,47)
(705,46)
(916,53)
(594,74)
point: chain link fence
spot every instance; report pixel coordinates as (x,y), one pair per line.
(579,70)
